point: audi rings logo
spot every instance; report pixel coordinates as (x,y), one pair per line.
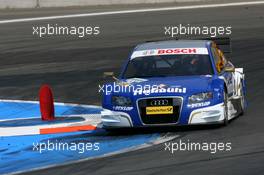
(159,102)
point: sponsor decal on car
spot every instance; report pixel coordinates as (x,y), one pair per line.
(197,105)
(177,51)
(170,51)
(141,91)
(122,108)
(152,110)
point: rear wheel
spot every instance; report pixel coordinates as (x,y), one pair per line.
(226,121)
(242,99)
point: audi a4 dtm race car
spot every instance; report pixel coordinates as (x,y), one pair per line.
(176,82)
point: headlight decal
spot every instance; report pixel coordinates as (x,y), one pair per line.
(201,97)
(121,101)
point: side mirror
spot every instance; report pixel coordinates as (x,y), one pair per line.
(110,74)
(229,67)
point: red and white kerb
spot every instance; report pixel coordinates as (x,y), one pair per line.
(170,51)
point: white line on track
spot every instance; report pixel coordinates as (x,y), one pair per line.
(131,11)
(55,103)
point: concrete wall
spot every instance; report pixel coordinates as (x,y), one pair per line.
(64,3)
(59,3)
(18,4)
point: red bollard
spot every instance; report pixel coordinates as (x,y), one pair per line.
(46,103)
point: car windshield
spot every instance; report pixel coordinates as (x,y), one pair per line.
(169,65)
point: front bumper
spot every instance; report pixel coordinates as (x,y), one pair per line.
(211,114)
(205,115)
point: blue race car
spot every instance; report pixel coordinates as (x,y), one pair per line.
(176,82)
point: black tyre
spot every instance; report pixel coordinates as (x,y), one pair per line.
(226,121)
(242,101)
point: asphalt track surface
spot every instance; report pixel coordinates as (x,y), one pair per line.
(74,66)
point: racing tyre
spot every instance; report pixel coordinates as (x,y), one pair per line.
(242,100)
(225,109)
